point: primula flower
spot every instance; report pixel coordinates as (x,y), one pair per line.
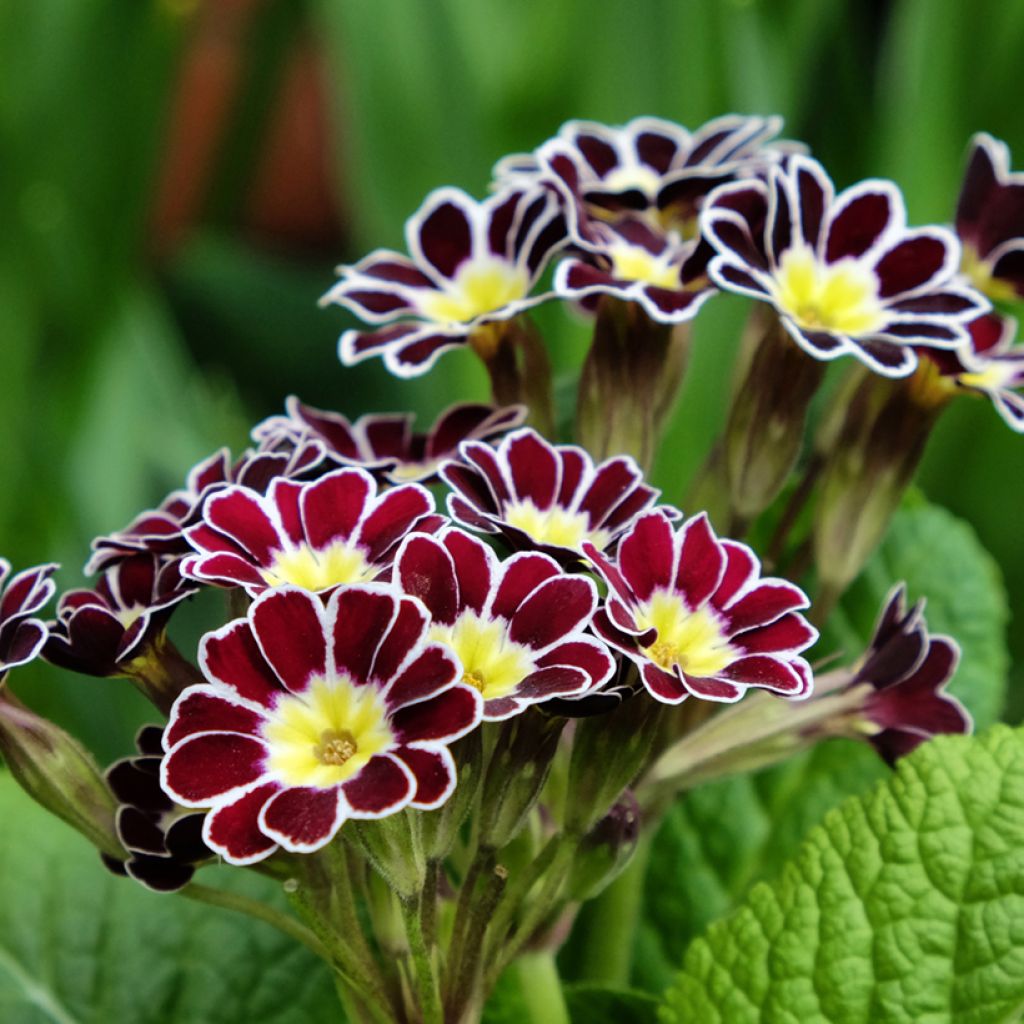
(315,535)
(164,842)
(162,530)
(692,613)
(991,366)
(472,263)
(908,671)
(844,273)
(386,444)
(315,715)
(99,632)
(649,166)
(632,261)
(990,221)
(517,627)
(21,635)
(549,497)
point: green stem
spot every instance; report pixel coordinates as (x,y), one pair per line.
(428,990)
(612,922)
(261,912)
(541,989)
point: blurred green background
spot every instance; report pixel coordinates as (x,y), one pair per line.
(178,180)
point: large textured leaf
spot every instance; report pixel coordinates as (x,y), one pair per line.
(905,905)
(79,946)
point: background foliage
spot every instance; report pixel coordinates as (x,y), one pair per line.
(178,179)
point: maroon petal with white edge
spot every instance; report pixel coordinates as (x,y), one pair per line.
(384,786)
(435,774)
(206,709)
(303,820)
(206,767)
(289,627)
(443,718)
(233,829)
(691,613)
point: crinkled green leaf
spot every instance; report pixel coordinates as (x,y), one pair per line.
(905,905)
(80,946)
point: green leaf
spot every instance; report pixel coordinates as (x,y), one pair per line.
(904,905)
(80,946)
(602,1004)
(941,559)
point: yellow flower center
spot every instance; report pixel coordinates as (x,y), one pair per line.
(554,525)
(327,734)
(979,273)
(693,640)
(480,286)
(840,297)
(491,662)
(996,375)
(635,263)
(316,570)
(127,617)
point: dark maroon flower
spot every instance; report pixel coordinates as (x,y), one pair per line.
(21,635)
(314,535)
(632,261)
(548,497)
(315,715)
(472,263)
(517,627)
(100,632)
(908,671)
(386,444)
(692,612)
(844,273)
(990,220)
(161,530)
(164,842)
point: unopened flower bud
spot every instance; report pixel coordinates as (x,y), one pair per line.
(606,849)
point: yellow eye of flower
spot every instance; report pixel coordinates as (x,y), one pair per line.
(491,662)
(634,263)
(480,286)
(554,525)
(317,570)
(693,640)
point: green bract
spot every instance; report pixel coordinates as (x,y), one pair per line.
(905,905)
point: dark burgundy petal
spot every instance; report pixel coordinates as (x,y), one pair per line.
(980,183)
(1009,266)
(633,504)
(665,686)
(466,514)
(425,569)
(553,611)
(288,625)
(27,592)
(202,709)
(231,656)
(574,463)
(206,539)
(395,268)
(443,231)
(609,571)
(591,656)
(470,483)
(445,717)
(380,303)
(887,359)
(913,262)
(483,457)
(791,633)
(474,567)
(387,436)
(184,839)
(333,506)
(205,767)
(622,640)
(713,689)
(622,618)
(435,774)
(407,629)
(779,231)
(139,833)
(597,152)
(859,219)
(286,496)
(159,874)
(672,304)
(355,345)
(303,819)
(138,785)
(762,670)
(553,681)
(432,670)
(521,575)
(231,570)
(814,190)
(647,556)
(382,787)
(233,830)
(241,516)
(938,304)
(533,466)
(394,515)
(416,354)
(361,616)
(764,603)
(27,640)
(701,562)
(612,483)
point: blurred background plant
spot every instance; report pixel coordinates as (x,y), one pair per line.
(179,178)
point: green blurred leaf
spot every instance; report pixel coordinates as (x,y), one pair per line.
(79,946)
(601,1004)
(903,906)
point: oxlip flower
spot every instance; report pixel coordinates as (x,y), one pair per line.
(387,444)
(164,842)
(313,715)
(694,614)
(542,496)
(844,273)
(471,264)
(990,220)
(22,635)
(517,626)
(316,535)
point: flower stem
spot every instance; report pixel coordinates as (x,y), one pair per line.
(428,990)
(541,988)
(261,912)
